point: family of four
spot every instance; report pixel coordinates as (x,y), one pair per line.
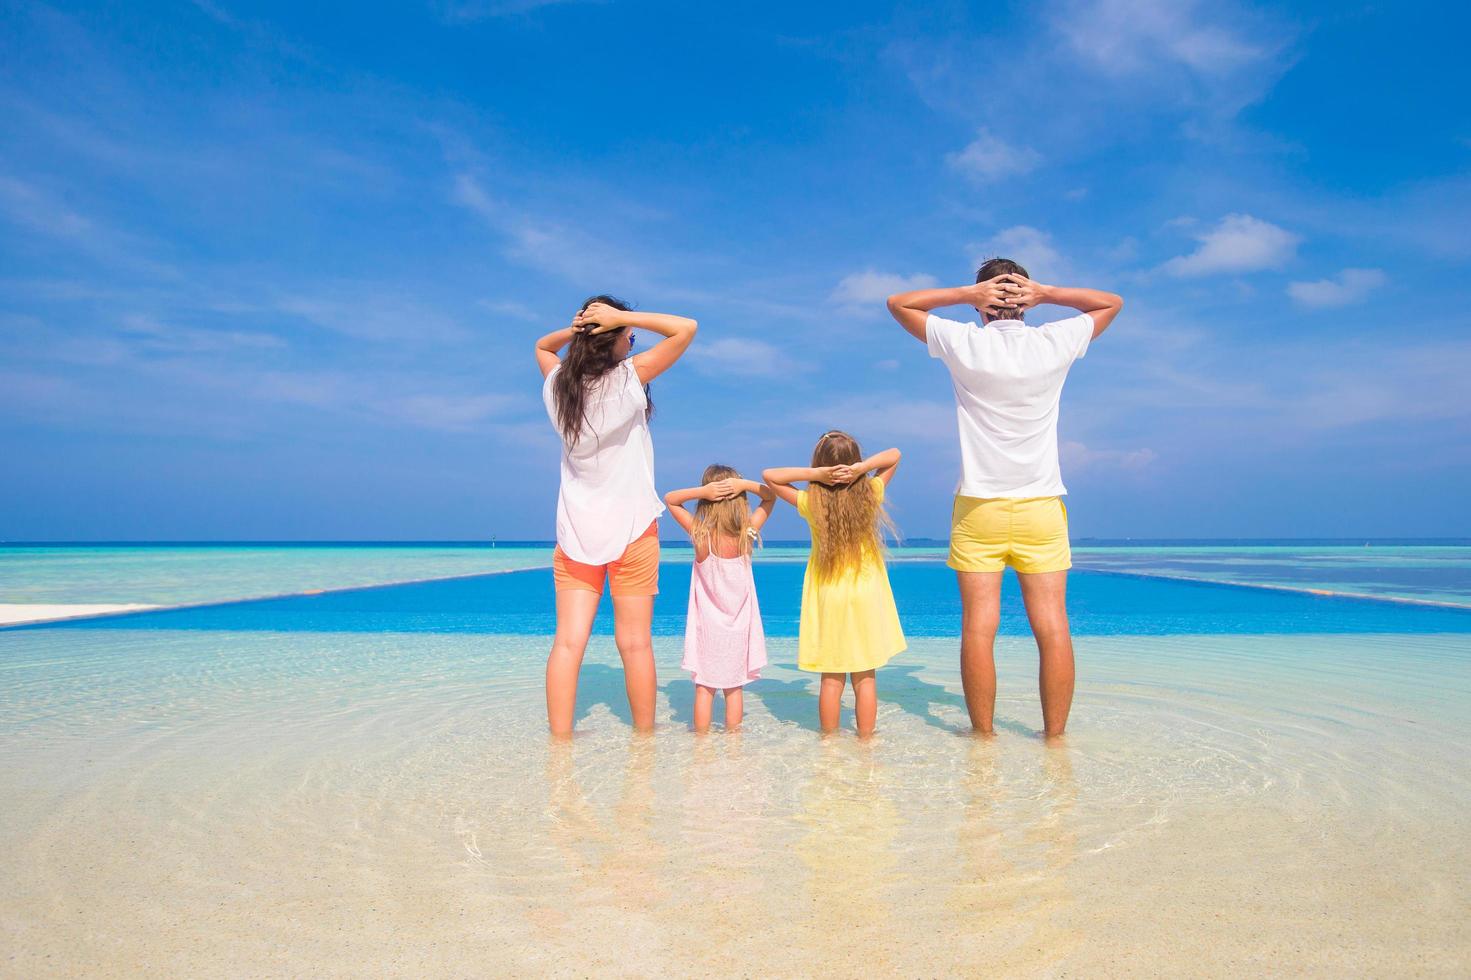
(1008,377)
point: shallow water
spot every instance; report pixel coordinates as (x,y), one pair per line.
(214,798)
(1423,573)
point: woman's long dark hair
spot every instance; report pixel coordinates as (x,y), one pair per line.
(589,357)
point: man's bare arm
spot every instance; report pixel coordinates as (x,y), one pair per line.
(1101,306)
(912,309)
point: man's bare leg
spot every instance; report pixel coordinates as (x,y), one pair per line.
(1046,597)
(980,603)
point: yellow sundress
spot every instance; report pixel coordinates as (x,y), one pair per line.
(849,621)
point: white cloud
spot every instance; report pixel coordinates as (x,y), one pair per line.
(865,292)
(1024,244)
(1351,286)
(744,357)
(1240,243)
(988,157)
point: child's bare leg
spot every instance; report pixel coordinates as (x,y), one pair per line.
(734,706)
(830,701)
(704,701)
(866,701)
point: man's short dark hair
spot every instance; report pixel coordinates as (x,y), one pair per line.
(991,268)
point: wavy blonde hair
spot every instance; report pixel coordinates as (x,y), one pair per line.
(847,521)
(730,518)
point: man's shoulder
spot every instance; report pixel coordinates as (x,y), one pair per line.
(945,323)
(1075,321)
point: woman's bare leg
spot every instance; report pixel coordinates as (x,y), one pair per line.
(576,609)
(734,708)
(704,702)
(830,701)
(866,701)
(633,617)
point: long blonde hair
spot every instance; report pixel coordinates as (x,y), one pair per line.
(729,518)
(847,520)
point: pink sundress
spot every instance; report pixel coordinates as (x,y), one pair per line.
(724,643)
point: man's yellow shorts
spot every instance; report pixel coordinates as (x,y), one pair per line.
(1027,533)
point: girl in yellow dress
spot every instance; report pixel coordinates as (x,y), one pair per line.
(850,625)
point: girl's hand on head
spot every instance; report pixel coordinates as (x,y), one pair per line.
(597,318)
(826,474)
(720,490)
(845,474)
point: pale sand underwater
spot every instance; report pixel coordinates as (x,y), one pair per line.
(340,804)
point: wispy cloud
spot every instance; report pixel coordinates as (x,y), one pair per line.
(511,308)
(472,10)
(745,357)
(154,335)
(547,244)
(989,157)
(887,417)
(1077,457)
(372,313)
(1349,287)
(37,210)
(1239,243)
(1127,36)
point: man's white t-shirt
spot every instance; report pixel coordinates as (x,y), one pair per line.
(607,498)
(1008,381)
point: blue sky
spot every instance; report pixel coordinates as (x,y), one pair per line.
(276,271)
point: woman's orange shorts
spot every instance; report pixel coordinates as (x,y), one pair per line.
(635,572)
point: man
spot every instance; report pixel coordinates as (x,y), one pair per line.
(1008,380)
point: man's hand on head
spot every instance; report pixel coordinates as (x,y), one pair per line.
(989,296)
(1021,293)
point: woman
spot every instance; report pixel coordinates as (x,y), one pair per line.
(607,509)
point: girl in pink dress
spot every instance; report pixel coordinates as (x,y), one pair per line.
(724,644)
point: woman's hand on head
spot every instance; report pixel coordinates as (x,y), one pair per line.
(845,474)
(597,318)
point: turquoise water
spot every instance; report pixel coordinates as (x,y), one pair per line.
(180,574)
(521,603)
(1427,573)
(176,574)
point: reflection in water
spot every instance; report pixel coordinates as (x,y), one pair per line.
(606,855)
(851,826)
(1015,842)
